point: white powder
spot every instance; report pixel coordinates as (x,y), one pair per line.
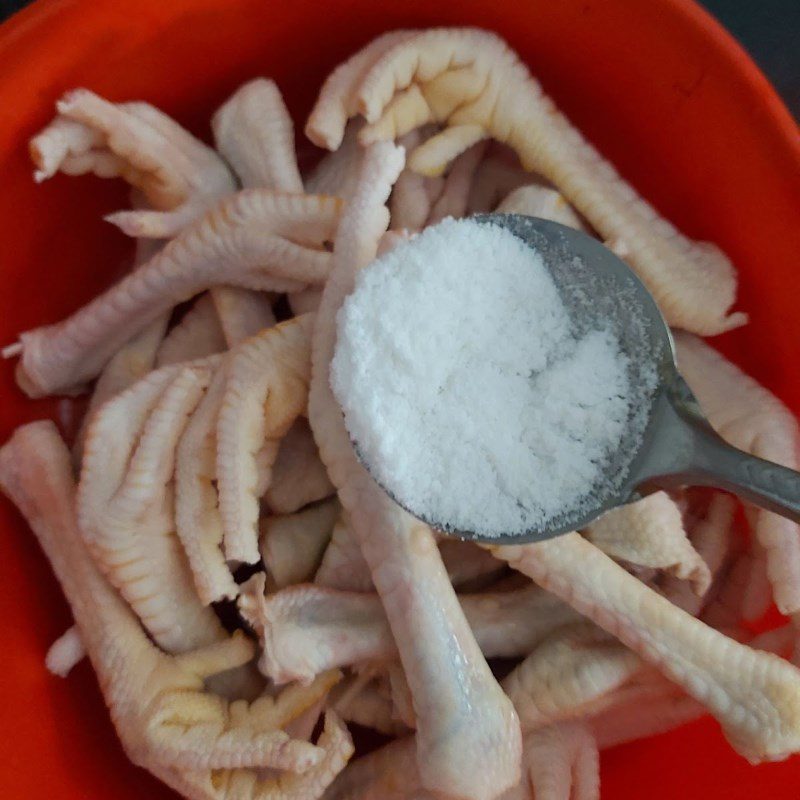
(465,388)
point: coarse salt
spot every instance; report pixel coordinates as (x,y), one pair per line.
(466,389)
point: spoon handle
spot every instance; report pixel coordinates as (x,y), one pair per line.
(686,451)
(764,483)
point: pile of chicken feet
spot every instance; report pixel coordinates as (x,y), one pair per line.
(213,466)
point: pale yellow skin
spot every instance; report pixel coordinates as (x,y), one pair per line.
(242,312)
(65,653)
(558,763)
(337,172)
(454,197)
(649,704)
(304,301)
(343,565)
(497,177)
(125,504)
(562,762)
(198,522)
(469,567)
(413,195)
(536,200)
(130,363)
(645,704)
(298,476)
(366,704)
(567,673)
(255,134)
(336,102)
(292,545)
(198,334)
(712,538)
(650,533)
(179,176)
(266,390)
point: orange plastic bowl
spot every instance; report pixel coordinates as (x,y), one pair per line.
(658,86)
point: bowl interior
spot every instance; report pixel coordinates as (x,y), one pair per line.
(657,86)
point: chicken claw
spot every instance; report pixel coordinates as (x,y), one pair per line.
(571,669)
(343,566)
(473,84)
(367,703)
(266,390)
(298,476)
(257,238)
(197,335)
(650,533)
(166,719)
(124,505)
(452,202)
(326,125)
(544,202)
(334,742)
(337,172)
(242,312)
(179,175)
(308,629)
(255,134)
(559,763)
(754,695)
(129,364)
(712,537)
(469,740)
(197,518)
(562,762)
(752,419)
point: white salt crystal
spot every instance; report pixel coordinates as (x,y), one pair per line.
(465,388)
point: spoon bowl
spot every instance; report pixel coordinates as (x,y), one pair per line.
(669,442)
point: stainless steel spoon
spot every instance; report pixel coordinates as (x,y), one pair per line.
(679,447)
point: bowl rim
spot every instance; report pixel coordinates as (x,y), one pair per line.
(34,29)
(36,34)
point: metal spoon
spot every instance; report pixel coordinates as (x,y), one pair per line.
(679,447)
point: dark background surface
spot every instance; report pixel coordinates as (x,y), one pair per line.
(769,30)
